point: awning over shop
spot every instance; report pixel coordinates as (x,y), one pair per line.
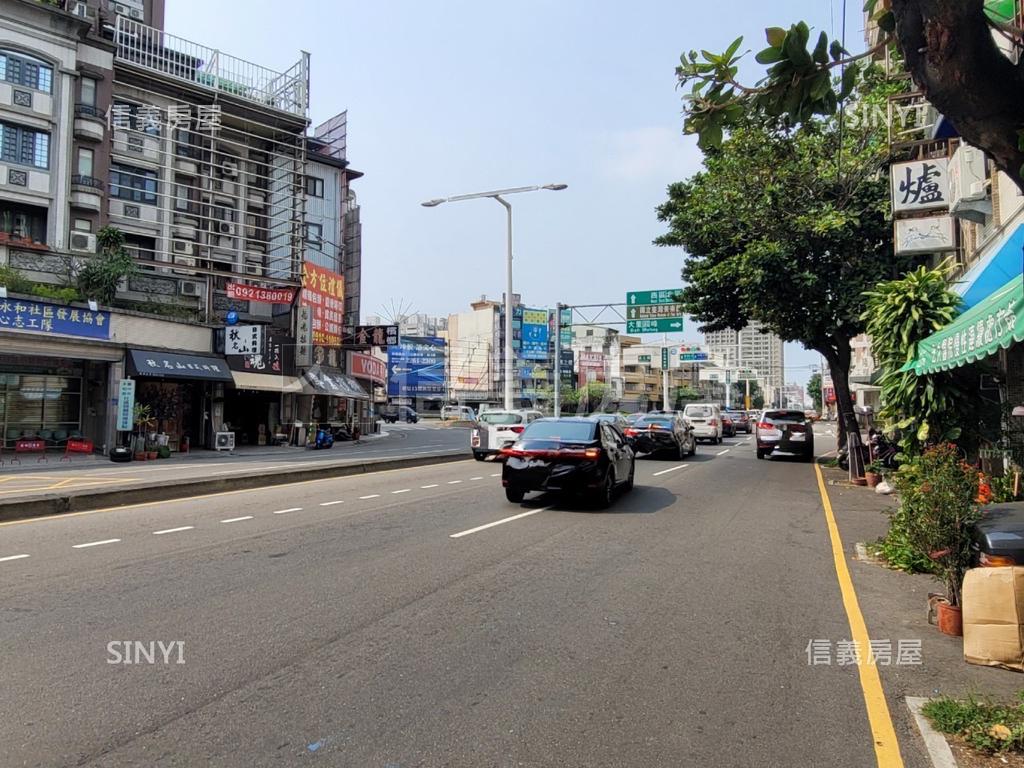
(995,323)
(174,365)
(266,382)
(319,382)
(1001,264)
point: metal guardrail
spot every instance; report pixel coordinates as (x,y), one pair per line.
(210,68)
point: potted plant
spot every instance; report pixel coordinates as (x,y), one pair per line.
(938,494)
(143,416)
(873,473)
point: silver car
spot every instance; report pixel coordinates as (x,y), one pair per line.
(706,421)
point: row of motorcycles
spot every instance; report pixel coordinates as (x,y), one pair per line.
(880,449)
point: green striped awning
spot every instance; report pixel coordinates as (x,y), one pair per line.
(990,325)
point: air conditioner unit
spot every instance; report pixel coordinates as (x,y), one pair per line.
(226,228)
(83,242)
(136,13)
(183,247)
(230,169)
(224,441)
(253,269)
(191,288)
(121,9)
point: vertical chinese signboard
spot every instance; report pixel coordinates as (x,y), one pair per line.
(535,334)
(324,292)
(125,405)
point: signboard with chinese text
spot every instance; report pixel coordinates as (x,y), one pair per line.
(654,311)
(535,334)
(262,295)
(125,405)
(304,337)
(930,234)
(920,185)
(416,367)
(324,292)
(274,357)
(371,336)
(25,315)
(590,367)
(243,340)
(663,325)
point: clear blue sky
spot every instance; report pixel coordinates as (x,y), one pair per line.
(457,96)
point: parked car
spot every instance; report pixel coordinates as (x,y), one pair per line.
(784,432)
(617,420)
(706,421)
(497,429)
(998,538)
(740,419)
(663,433)
(579,455)
(392,413)
(633,418)
(457,413)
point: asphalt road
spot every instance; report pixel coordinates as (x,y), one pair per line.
(32,477)
(345,621)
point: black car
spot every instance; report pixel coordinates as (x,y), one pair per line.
(998,538)
(664,433)
(572,455)
(728,424)
(780,431)
(392,413)
(617,420)
(740,420)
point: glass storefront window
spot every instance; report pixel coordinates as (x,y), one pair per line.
(35,405)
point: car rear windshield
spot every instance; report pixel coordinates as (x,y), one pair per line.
(700,411)
(784,417)
(661,421)
(559,430)
(502,418)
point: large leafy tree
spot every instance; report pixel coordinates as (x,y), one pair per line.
(949,47)
(814,390)
(783,228)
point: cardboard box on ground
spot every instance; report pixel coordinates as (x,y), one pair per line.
(993,617)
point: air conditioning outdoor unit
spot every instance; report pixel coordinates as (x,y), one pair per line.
(121,9)
(83,242)
(226,228)
(136,13)
(183,247)
(230,169)
(190,288)
(253,269)
(224,441)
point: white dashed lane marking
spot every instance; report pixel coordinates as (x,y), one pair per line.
(433,485)
(286,511)
(331,503)
(454,482)
(670,469)
(521,515)
(371,496)
(94,543)
(722,453)
(12,557)
(237,519)
(404,490)
(174,530)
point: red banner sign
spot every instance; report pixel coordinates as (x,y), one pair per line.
(367,367)
(324,291)
(263,295)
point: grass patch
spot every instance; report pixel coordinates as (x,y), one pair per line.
(986,726)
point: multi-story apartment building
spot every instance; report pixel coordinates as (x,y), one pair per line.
(642,375)
(751,348)
(202,162)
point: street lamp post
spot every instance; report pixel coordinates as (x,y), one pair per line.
(498,195)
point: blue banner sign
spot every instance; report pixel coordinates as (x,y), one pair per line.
(25,315)
(416,367)
(535,334)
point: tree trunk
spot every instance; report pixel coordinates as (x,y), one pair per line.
(838,358)
(950,52)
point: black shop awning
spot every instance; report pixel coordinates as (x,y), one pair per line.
(175,365)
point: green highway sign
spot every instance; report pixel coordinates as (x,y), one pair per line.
(669,296)
(746,375)
(659,325)
(664,357)
(653,311)
(693,357)
(644,359)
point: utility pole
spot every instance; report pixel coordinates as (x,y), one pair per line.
(557,405)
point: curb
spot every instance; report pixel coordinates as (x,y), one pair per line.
(935,743)
(60,504)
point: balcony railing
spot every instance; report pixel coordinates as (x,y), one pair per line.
(88,110)
(86,181)
(215,70)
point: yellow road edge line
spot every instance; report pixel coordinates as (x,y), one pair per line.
(887,748)
(123,507)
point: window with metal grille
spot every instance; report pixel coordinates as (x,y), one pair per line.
(135,184)
(25,71)
(24,146)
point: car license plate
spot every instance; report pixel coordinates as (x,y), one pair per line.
(797,436)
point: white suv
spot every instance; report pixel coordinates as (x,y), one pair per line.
(706,420)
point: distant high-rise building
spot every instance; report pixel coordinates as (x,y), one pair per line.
(750,347)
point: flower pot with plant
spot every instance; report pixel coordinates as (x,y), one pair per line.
(938,495)
(873,473)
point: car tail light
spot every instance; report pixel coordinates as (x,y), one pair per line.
(765,425)
(994,561)
(518,429)
(592,453)
(475,441)
(630,432)
(712,422)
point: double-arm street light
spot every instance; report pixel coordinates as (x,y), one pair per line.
(499,196)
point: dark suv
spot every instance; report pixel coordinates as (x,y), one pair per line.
(665,433)
(392,413)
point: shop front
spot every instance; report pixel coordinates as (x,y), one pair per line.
(184,394)
(334,398)
(56,366)
(260,408)
(372,373)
